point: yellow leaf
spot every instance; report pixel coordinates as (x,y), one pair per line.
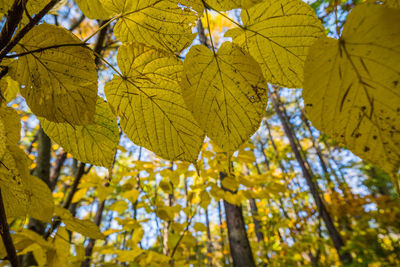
(60,84)
(27,237)
(225,92)
(351,87)
(93,143)
(148,99)
(131,195)
(41,200)
(93,9)
(9,88)
(84,227)
(205,199)
(14,173)
(162,24)
(11,133)
(119,206)
(230,183)
(79,195)
(166,187)
(199,227)
(127,255)
(58,257)
(278,35)
(224,5)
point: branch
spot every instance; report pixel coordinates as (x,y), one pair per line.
(79,173)
(5,235)
(55,173)
(10,45)
(13,18)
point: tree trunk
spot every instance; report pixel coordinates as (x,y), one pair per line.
(337,240)
(42,171)
(209,241)
(90,245)
(239,243)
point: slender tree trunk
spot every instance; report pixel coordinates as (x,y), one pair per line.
(335,236)
(167,225)
(238,241)
(90,245)
(209,241)
(42,171)
(226,259)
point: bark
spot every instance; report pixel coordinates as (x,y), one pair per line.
(209,241)
(55,172)
(222,233)
(90,245)
(335,236)
(42,171)
(257,227)
(14,16)
(239,243)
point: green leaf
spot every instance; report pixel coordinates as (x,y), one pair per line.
(93,143)
(278,35)
(352,86)
(162,24)
(225,92)
(60,83)
(149,101)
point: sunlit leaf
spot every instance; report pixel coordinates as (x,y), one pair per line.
(41,200)
(93,143)
(149,101)
(60,83)
(278,35)
(224,5)
(225,92)
(352,86)
(93,9)
(163,24)
(84,227)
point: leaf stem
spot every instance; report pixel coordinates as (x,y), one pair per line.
(107,63)
(209,32)
(102,26)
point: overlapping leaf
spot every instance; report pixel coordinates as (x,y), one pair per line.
(13,181)
(225,92)
(93,143)
(278,35)
(41,200)
(8,88)
(224,5)
(94,9)
(352,86)
(10,128)
(159,23)
(149,101)
(60,83)
(84,227)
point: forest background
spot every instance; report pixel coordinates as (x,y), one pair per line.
(289,196)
